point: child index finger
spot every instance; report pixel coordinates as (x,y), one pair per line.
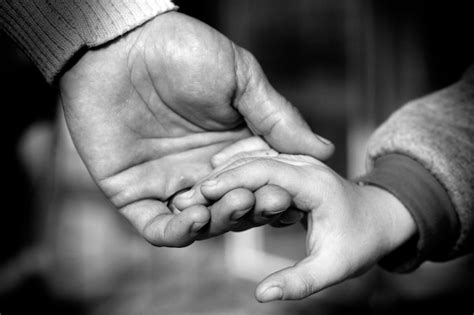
(252,176)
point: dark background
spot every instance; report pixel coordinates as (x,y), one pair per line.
(345,64)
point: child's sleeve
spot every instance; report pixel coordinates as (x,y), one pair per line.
(52,32)
(424,155)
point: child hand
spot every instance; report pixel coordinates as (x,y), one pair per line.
(350,227)
(240,209)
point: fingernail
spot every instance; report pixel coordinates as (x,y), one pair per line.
(198,226)
(290,217)
(324,140)
(271,294)
(186,195)
(239,214)
(210,183)
(270,215)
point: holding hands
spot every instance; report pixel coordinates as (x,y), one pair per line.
(154,112)
(181,130)
(149,110)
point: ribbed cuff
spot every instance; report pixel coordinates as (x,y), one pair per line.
(428,203)
(51,32)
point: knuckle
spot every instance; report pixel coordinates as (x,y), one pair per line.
(273,198)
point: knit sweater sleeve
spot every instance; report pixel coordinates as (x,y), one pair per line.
(437,133)
(52,32)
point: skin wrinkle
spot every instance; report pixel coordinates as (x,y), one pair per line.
(123,196)
(238,74)
(147,71)
(196,120)
(103,94)
(153,83)
(109,180)
(249,77)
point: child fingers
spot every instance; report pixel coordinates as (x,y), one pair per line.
(244,157)
(186,199)
(228,211)
(244,145)
(252,175)
(270,202)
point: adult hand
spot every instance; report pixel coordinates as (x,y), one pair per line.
(149,110)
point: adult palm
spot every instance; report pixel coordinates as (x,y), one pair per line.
(149,110)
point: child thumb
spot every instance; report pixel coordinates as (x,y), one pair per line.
(294,283)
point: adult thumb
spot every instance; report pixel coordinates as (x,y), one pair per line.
(270,115)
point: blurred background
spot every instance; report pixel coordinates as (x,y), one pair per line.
(345,64)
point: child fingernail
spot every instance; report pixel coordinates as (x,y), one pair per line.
(186,195)
(271,294)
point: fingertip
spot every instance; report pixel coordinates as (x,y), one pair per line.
(210,189)
(268,294)
(180,200)
(242,199)
(326,151)
(272,200)
(197,214)
(265,293)
(296,282)
(233,205)
(180,204)
(217,160)
(187,199)
(320,147)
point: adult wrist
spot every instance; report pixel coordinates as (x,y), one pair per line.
(52,33)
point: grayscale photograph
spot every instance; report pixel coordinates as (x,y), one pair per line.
(237,157)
